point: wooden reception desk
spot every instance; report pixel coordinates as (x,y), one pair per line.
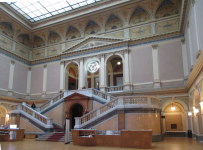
(133,139)
(5,136)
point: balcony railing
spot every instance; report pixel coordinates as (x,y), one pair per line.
(115,88)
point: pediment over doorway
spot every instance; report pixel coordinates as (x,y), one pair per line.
(76,96)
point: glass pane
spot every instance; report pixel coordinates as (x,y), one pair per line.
(50,8)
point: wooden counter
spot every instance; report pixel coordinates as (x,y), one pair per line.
(19,135)
(133,139)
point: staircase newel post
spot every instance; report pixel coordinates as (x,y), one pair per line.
(77,123)
(49,121)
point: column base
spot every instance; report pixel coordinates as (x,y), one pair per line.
(126,86)
(44,94)
(102,88)
(157,84)
(28,96)
(10,92)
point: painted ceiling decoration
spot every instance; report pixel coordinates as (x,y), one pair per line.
(112,17)
(72,33)
(38,42)
(26,35)
(137,10)
(36,37)
(166,2)
(71,28)
(8,24)
(90,23)
(52,33)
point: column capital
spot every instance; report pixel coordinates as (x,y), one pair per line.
(45,66)
(155,46)
(126,50)
(61,62)
(12,62)
(102,55)
(183,41)
(81,59)
(193,2)
(29,68)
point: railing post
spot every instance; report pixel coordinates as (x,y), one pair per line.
(98,112)
(108,98)
(120,101)
(49,121)
(77,123)
(33,114)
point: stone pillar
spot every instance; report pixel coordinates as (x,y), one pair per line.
(126,72)
(62,72)
(44,81)
(163,123)
(157,82)
(45,52)
(126,33)
(102,75)
(184,56)
(186,120)
(11,76)
(153,28)
(81,80)
(28,83)
(30,55)
(14,46)
(111,79)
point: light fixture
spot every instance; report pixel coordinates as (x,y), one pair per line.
(93,66)
(172,107)
(7,115)
(195,110)
(201,103)
(118,63)
(189,113)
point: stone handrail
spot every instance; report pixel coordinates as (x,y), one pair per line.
(134,101)
(103,95)
(114,88)
(29,111)
(51,101)
(97,112)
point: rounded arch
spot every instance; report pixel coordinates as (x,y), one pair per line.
(23,39)
(165,9)
(72,33)
(74,103)
(71,62)
(92,28)
(54,38)
(139,15)
(113,22)
(38,42)
(6,28)
(185,106)
(105,62)
(6,110)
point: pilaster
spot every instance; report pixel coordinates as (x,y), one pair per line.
(11,76)
(45,51)
(127,33)
(102,74)
(126,71)
(44,81)
(62,73)
(185,63)
(28,82)
(81,80)
(157,82)
(153,28)
(14,46)
(30,54)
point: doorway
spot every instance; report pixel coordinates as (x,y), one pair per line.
(77,111)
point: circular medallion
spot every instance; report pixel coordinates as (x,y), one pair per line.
(93,66)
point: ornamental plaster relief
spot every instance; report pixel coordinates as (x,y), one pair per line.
(5,43)
(54,50)
(24,52)
(38,54)
(167,26)
(141,31)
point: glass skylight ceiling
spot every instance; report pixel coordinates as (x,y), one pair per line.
(38,10)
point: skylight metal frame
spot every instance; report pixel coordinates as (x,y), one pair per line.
(39,10)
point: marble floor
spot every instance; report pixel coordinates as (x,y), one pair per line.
(169,143)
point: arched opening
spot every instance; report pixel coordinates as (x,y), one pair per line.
(75,111)
(175,118)
(92,74)
(71,76)
(92,28)
(115,71)
(72,33)
(113,23)
(3,119)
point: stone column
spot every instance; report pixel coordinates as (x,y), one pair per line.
(45,52)
(81,80)
(30,54)
(14,46)
(157,82)
(28,83)
(44,81)
(102,75)
(184,56)
(111,79)
(126,33)
(62,73)
(163,123)
(126,71)
(153,28)
(11,76)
